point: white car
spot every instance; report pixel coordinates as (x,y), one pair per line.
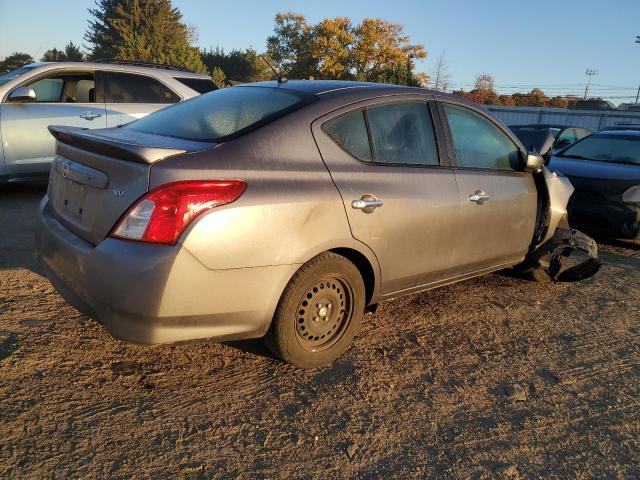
(79,94)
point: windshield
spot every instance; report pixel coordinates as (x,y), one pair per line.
(220,114)
(607,148)
(5,77)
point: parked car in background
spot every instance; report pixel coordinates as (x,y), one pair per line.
(593,104)
(621,126)
(535,135)
(629,107)
(604,169)
(283,209)
(79,94)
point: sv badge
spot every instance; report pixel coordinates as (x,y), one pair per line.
(118,193)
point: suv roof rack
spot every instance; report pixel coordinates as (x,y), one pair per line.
(144,64)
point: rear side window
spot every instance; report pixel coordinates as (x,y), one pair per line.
(130,88)
(220,114)
(398,134)
(350,132)
(200,85)
(478,142)
(402,133)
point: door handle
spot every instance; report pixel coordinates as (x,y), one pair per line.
(368,203)
(90,115)
(479,197)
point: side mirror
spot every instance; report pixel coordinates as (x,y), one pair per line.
(565,142)
(533,163)
(22,94)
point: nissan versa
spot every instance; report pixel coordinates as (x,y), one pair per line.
(283,210)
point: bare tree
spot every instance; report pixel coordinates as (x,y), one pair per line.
(440,76)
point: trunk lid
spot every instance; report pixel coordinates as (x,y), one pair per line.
(97,175)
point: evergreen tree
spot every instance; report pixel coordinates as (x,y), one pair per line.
(218,77)
(71,53)
(144,31)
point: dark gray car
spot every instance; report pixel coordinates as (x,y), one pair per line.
(282,210)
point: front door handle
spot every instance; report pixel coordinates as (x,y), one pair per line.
(90,115)
(368,203)
(479,197)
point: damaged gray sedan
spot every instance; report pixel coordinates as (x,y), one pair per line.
(283,210)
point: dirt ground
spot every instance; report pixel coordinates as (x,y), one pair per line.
(491,378)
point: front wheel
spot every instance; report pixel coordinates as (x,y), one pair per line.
(319,313)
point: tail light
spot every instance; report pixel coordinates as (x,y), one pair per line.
(163,213)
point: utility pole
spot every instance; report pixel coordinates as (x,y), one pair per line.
(589,72)
(638,94)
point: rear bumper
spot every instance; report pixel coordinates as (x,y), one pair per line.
(157,294)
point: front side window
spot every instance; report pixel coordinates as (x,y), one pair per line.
(607,148)
(478,142)
(67,88)
(219,114)
(402,133)
(131,88)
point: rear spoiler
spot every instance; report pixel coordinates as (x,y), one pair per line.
(111,146)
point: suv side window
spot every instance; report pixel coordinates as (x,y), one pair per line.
(131,88)
(67,88)
(402,133)
(478,142)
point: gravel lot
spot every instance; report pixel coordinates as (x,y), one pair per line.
(491,378)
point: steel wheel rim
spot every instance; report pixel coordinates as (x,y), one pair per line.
(324,313)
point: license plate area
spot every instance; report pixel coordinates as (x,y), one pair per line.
(74,198)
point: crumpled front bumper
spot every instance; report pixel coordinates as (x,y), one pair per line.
(551,258)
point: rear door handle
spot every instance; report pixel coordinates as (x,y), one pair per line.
(479,197)
(368,203)
(90,115)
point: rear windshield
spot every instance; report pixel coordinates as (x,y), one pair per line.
(200,85)
(221,114)
(607,148)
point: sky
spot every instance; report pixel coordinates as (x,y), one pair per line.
(522,44)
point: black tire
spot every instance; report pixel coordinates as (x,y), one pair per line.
(319,313)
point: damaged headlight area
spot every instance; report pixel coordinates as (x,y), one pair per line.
(556,259)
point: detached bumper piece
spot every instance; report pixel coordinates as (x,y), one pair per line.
(551,261)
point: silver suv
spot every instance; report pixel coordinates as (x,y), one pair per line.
(79,94)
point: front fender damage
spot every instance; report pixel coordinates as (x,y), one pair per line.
(551,261)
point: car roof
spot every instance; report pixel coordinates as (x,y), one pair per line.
(151,70)
(618,133)
(546,125)
(324,87)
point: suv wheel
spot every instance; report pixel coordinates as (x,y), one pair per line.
(319,313)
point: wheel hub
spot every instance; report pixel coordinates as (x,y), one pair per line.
(324,313)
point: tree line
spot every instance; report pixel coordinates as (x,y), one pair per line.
(373,50)
(153,31)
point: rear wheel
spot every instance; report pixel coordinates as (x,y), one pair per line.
(319,313)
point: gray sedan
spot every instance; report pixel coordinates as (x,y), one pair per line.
(283,210)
